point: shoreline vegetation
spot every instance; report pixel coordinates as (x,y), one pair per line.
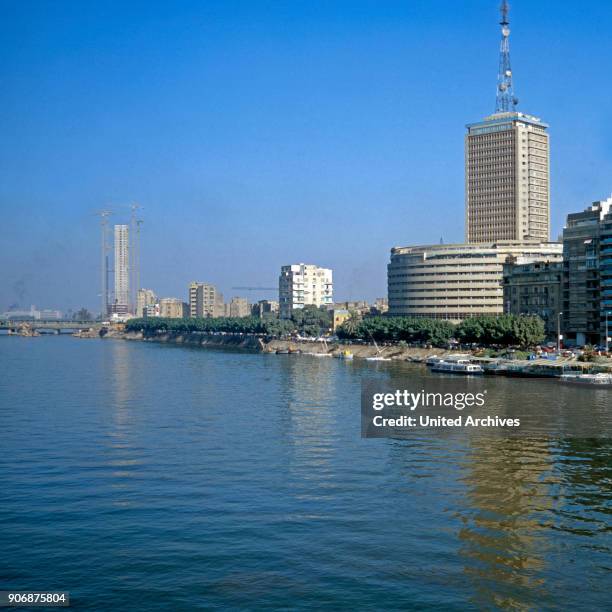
(506,338)
(312,322)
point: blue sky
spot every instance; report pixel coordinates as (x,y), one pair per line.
(256,134)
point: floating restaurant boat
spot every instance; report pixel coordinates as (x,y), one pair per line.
(457,366)
(518,370)
(601,379)
(459,357)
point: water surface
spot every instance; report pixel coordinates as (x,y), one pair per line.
(146,477)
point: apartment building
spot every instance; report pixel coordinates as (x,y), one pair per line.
(265,308)
(301,284)
(205,300)
(173,308)
(587,272)
(535,289)
(239,307)
(144,298)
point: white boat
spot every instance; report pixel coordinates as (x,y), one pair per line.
(457,366)
(434,359)
(601,379)
(378,356)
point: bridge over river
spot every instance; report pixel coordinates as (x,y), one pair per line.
(53,327)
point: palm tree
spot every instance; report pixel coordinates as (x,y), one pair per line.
(351,325)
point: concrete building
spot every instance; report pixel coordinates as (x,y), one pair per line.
(301,284)
(173,308)
(507,194)
(535,289)
(265,308)
(33,314)
(205,301)
(151,310)
(605,278)
(381,306)
(586,274)
(359,306)
(121,303)
(456,281)
(339,316)
(50,314)
(239,307)
(144,298)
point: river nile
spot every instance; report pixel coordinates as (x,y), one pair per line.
(140,476)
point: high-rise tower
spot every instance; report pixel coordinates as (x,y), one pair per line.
(507,194)
(121,303)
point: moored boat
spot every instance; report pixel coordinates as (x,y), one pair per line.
(601,379)
(457,366)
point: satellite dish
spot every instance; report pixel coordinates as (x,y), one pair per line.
(503,87)
(508,73)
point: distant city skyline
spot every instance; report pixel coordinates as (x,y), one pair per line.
(259,135)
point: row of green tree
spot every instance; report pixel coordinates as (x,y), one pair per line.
(507,330)
(310,321)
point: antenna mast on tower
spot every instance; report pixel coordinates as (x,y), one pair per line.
(506,102)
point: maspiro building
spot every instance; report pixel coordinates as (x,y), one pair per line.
(456,281)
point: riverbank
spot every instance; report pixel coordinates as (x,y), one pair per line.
(359,351)
(202,339)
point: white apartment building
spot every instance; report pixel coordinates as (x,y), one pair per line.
(121,304)
(507,170)
(301,284)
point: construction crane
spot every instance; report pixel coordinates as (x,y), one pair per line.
(255,288)
(135,224)
(104,214)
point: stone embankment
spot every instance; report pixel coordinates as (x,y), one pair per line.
(251,343)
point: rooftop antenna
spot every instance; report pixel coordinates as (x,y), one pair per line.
(505,102)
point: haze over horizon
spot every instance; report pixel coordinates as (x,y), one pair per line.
(260,134)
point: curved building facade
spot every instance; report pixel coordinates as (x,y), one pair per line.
(457,281)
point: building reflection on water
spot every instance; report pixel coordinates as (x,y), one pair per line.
(502,542)
(123,457)
(306,387)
